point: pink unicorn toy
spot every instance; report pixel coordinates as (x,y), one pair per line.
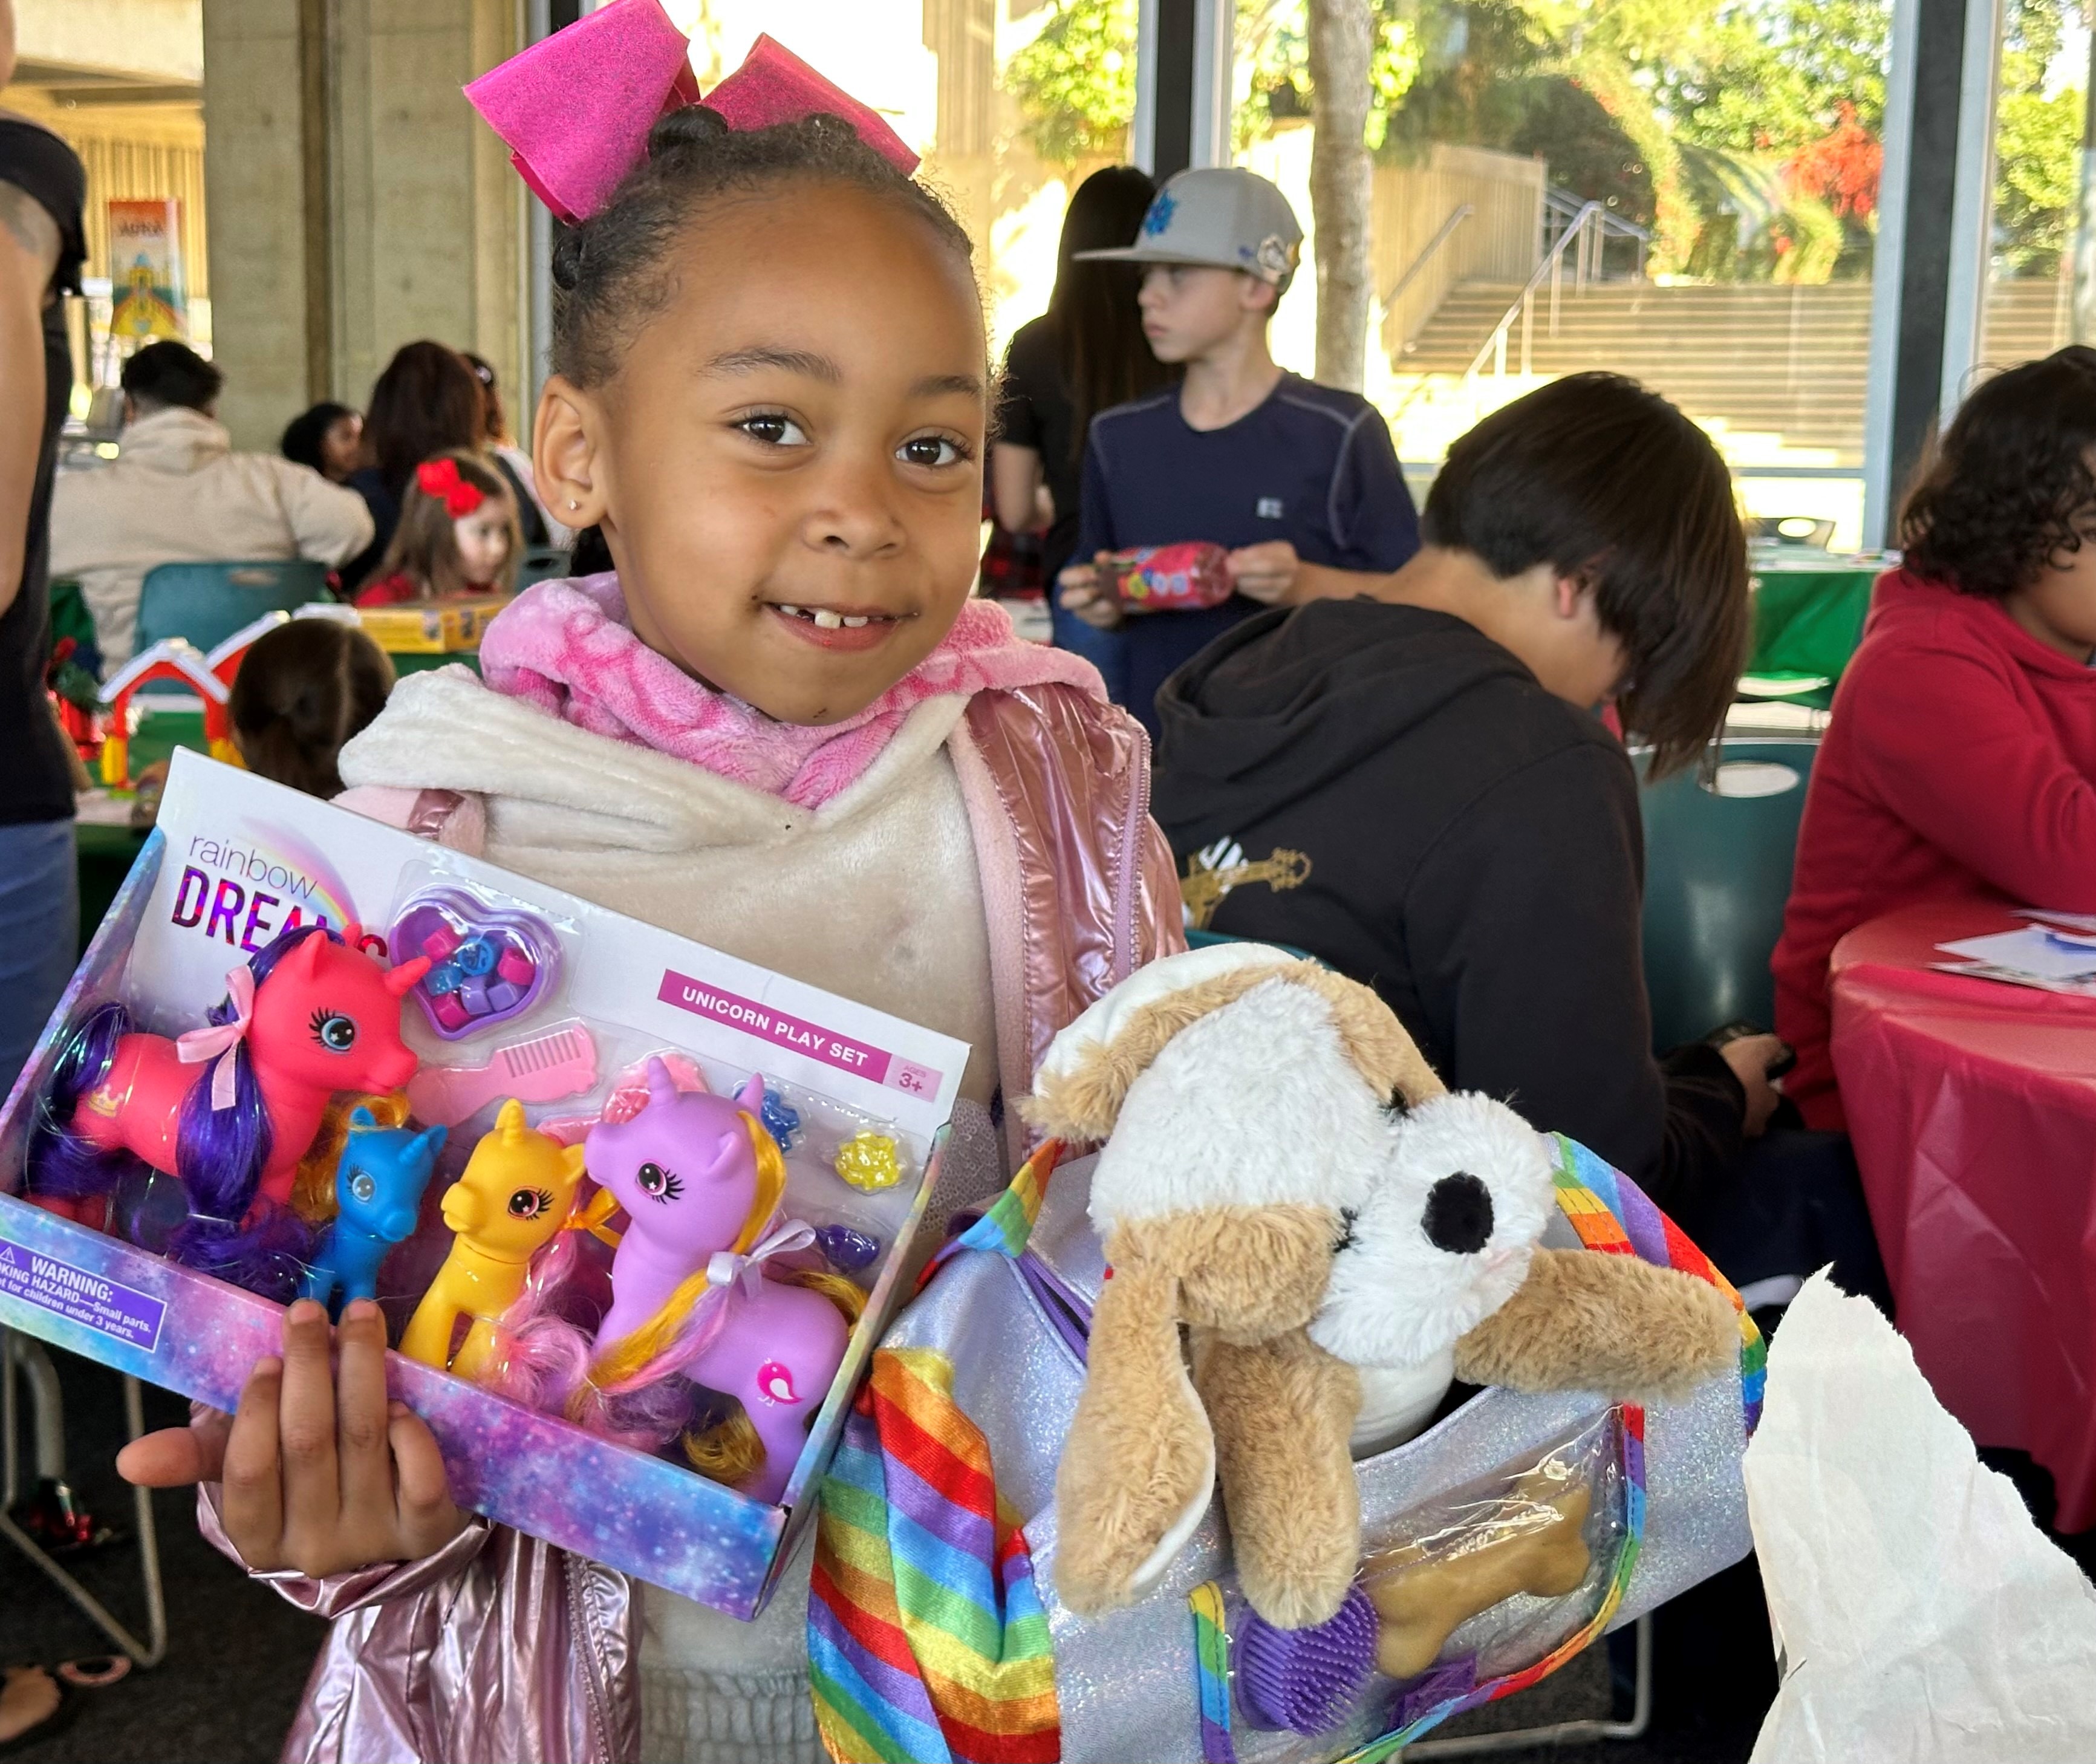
(701,1181)
(232,1107)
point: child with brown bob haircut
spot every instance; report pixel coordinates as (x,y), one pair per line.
(303,691)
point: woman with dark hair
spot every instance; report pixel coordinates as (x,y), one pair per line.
(328,439)
(427,402)
(1961,760)
(1086,353)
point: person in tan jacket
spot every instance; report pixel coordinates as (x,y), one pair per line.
(179,494)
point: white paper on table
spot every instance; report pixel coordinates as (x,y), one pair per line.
(2027,951)
(2071,921)
(1919,1614)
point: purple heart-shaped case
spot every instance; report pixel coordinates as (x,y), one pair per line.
(488,965)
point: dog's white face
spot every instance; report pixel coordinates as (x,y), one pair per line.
(1443,1238)
(1256,1104)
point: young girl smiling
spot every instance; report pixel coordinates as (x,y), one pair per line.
(781,727)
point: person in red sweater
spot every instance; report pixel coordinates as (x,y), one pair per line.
(1961,758)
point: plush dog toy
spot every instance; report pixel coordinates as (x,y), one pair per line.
(1283,1174)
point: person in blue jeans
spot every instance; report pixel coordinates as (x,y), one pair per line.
(1297,481)
(42,191)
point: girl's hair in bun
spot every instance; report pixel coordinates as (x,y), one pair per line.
(609,274)
(304,690)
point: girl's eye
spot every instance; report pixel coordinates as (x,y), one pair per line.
(334,1031)
(529,1202)
(931,450)
(774,428)
(658,1183)
(362,1186)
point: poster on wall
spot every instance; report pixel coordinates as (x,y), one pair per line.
(146,269)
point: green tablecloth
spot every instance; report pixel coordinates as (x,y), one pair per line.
(1808,620)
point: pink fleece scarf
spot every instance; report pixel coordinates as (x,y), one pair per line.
(566,648)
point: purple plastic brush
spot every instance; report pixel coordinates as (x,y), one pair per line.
(1305,1680)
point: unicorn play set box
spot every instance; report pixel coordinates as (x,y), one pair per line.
(633,1210)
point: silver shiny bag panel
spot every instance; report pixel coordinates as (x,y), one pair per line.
(1128,1684)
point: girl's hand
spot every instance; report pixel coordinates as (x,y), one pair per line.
(1266,572)
(1083,595)
(322,1473)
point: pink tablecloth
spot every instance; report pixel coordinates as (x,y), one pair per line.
(1973,1109)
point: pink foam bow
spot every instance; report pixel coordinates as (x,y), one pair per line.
(218,1040)
(727,1269)
(575,109)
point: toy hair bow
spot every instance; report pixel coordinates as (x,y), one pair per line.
(727,1269)
(220,1040)
(575,109)
(441,478)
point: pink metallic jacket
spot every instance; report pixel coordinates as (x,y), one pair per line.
(499,1647)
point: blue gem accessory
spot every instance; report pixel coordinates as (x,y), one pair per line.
(781,1119)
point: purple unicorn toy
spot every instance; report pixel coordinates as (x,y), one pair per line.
(700,1180)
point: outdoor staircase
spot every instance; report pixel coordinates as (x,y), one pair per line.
(1776,373)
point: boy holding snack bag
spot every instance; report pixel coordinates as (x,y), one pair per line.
(1263,487)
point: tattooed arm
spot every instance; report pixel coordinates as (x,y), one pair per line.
(28,254)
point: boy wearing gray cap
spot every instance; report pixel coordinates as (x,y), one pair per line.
(1297,481)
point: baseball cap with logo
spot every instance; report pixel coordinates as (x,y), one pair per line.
(1221,217)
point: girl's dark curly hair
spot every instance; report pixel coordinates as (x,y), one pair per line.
(610,273)
(2008,489)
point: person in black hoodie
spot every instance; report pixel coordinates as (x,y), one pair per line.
(1414,786)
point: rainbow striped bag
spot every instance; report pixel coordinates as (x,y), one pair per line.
(934,1633)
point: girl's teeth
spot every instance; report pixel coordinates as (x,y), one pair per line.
(791,612)
(826,620)
(853,623)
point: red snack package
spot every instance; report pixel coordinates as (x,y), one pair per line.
(1168,579)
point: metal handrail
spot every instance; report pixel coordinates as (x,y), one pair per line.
(1586,228)
(1457,215)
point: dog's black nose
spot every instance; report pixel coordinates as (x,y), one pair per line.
(1459,1214)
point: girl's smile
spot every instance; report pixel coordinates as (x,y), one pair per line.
(856,629)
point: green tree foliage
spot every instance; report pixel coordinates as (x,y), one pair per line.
(1076,81)
(1744,133)
(2037,146)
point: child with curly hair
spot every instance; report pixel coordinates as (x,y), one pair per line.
(1962,756)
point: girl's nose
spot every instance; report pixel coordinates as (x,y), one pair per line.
(852,515)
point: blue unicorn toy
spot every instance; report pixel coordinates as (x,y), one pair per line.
(378,1185)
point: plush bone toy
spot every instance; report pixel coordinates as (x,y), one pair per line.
(1284,1174)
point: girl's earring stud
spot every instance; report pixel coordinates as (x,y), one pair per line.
(573,503)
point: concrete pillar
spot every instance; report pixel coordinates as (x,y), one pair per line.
(389,215)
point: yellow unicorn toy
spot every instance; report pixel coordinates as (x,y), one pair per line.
(516,1191)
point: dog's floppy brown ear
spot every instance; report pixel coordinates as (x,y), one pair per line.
(1138,1465)
(1283,1411)
(1585,1322)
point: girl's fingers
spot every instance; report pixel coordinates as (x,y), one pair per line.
(313,1488)
(177,1455)
(252,1470)
(365,1462)
(425,1516)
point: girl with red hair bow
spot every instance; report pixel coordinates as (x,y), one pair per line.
(458,534)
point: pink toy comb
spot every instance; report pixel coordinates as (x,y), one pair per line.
(575,109)
(560,1063)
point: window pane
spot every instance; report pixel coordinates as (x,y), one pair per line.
(1012,103)
(2039,107)
(1701,174)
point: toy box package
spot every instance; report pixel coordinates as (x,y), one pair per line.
(1166,578)
(633,1210)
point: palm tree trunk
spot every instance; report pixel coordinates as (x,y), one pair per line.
(1339,172)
